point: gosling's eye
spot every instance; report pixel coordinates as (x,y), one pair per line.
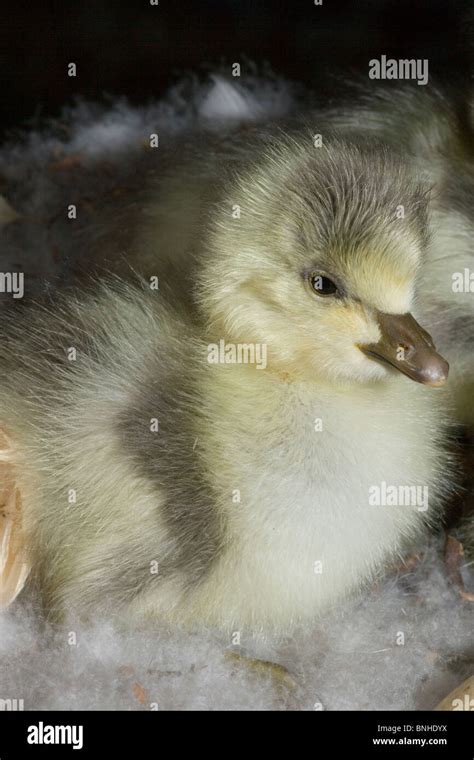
(322,285)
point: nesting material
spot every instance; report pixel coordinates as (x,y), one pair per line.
(454,561)
(405,645)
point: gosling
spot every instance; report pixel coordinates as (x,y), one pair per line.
(214,443)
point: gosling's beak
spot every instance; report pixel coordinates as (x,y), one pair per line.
(407,347)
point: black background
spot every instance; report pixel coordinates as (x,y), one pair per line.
(138,50)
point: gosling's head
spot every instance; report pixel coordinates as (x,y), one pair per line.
(315,253)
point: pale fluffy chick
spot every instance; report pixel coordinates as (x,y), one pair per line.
(159,484)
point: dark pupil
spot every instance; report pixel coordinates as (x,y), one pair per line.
(323,285)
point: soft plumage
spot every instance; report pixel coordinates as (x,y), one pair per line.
(159,485)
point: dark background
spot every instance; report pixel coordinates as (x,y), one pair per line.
(136,49)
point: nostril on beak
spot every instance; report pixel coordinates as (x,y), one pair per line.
(408,347)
